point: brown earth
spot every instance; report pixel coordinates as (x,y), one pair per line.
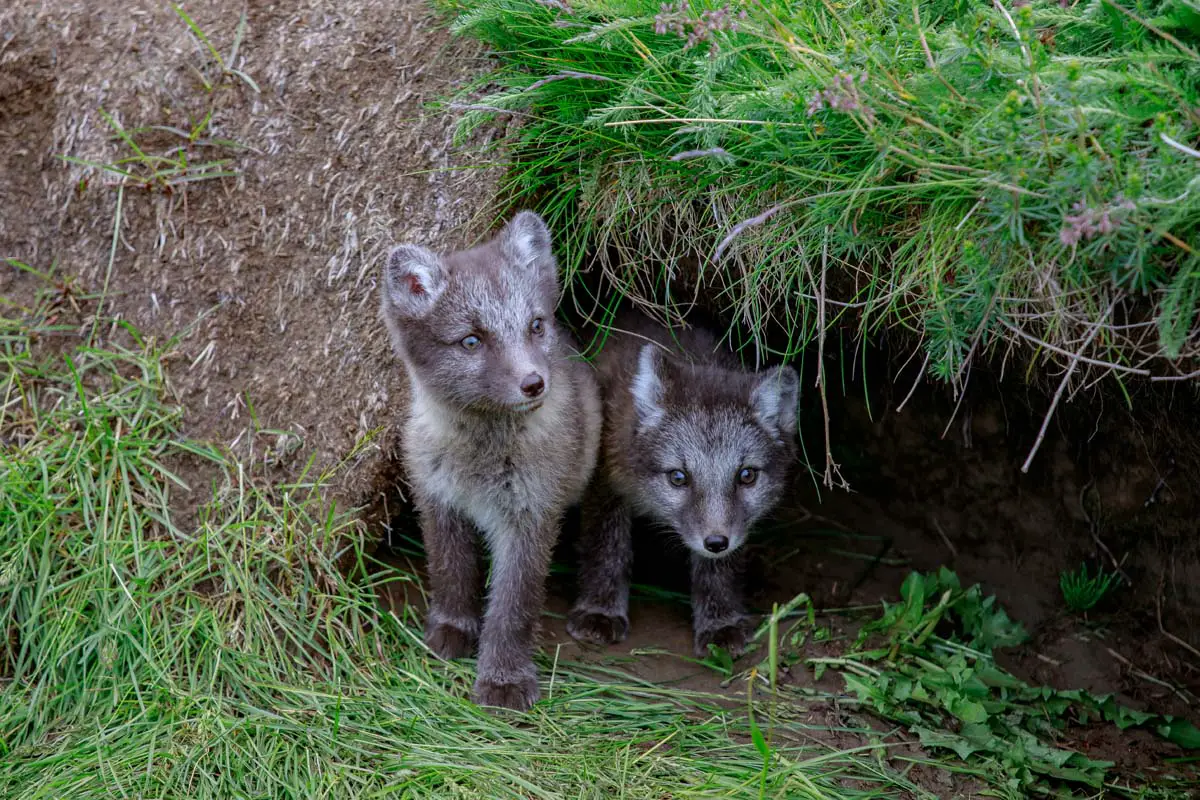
(268,277)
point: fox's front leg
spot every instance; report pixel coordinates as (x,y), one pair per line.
(506,675)
(601,611)
(452,624)
(718,616)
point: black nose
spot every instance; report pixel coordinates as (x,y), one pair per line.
(533,385)
(716,543)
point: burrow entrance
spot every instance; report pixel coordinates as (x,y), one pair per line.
(938,484)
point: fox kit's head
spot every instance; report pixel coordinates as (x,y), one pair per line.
(477,328)
(713,446)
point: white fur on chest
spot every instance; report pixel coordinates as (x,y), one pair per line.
(500,476)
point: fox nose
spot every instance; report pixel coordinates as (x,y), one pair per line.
(716,543)
(533,386)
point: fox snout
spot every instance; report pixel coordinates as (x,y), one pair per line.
(716,543)
(713,540)
(533,386)
(524,380)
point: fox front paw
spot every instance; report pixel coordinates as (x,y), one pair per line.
(448,641)
(595,627)
(730,638)
(519,695)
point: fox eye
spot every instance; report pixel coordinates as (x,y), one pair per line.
(537,327)
(747,476)
(677,477)
(470,342)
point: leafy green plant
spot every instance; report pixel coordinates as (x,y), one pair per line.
(1081,591)
(927,662)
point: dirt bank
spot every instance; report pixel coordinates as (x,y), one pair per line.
(269,273)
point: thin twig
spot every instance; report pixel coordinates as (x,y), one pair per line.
(974,208)
(1034,83)
(712,151)
(1062,386)
(1116,564)
(747,223)
(1187,377)
(1183,148)
(831,468)
(1094,529)
(1163,630)
(1076,356)
(949,544)
(1183,695)
(916,383)
(1163,34)
(1175,240)
(566,75)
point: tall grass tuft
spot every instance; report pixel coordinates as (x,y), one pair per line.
(984,174)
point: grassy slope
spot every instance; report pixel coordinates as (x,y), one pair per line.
(981,175)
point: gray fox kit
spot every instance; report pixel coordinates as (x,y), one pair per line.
(500,441)
(692,442)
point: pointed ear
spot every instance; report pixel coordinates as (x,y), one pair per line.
(647,387)
(774,399)
(525,241)
(413,279)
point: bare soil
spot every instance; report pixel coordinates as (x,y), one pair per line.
(269,280)
(269,276)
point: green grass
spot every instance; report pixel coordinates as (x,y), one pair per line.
(244,653)
(168,158)
(240,650)
(979,176)
(168,171)
(1081,591)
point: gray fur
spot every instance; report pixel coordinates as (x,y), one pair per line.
(677,401)
(484,459)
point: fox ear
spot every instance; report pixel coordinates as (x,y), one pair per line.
(774,399)
(525,240)
(413,280)
(647,387)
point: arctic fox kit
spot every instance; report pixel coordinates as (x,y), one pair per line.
(501,439)
(696,444)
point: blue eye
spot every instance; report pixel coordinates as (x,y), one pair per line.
(677,477)
(470,342)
